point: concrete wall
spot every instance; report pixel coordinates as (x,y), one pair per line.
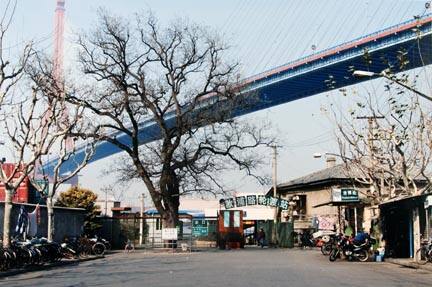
(68,221)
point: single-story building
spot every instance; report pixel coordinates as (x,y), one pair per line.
(328,199)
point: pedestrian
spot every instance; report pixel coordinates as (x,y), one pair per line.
(129,246)
(261,237)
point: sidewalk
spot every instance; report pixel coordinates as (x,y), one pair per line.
(409,263)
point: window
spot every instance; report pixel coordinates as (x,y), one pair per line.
(158,224)
(236,217)
(226,219)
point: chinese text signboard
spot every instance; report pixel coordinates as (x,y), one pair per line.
(251,200)
(345,195)
(229,203)
(248,200)
(240,201)
(199,227)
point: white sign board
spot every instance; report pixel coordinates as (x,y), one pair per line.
(169,233)
(428,201)
(336,195)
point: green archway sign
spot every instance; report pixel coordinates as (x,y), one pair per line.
(248,200)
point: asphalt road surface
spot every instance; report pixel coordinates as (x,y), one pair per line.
(249,267)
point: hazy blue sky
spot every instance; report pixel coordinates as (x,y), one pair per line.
(263,34)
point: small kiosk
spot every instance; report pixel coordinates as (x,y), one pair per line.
(230,229)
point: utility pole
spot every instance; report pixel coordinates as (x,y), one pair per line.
(274,171)
(274,233)
(371,151)
(141,230)
(105,190)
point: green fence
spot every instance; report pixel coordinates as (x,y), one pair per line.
(284,234)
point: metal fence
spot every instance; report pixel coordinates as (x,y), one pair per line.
(120,230)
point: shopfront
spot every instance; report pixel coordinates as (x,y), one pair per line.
(404,223)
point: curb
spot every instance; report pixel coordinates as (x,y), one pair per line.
(409,264)
(47,266)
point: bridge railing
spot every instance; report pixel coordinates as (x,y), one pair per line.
(404,26)
(340,52)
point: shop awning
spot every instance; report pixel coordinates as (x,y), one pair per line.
(341,203)
(408,201)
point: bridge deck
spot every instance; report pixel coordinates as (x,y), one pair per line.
(324,71)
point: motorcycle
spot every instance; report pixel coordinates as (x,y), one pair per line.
(351,250)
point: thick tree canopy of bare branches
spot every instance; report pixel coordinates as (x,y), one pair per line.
(178,78)
(386,140)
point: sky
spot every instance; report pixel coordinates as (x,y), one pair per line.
(262,35)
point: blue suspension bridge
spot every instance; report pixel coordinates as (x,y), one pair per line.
(320,72)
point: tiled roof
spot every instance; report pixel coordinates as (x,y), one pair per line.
(336,173)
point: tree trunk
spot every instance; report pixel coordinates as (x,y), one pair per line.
(50,211)
(170,219)
(169,186)
(7,217)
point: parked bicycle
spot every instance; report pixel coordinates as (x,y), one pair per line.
(424,253)
(328,244)
(37,251)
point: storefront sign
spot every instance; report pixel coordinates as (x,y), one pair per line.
(169,233)
(344,195)
(249,200)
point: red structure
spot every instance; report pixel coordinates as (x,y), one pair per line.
(22,195)
(26,192)
(230,229)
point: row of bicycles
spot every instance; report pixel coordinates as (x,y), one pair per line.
(39,251)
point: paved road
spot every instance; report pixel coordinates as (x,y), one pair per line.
(250,267)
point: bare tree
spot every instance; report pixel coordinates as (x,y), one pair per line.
(53,182)
(176,81)
(387,142)
(10,71)
(66,120)
(25,123)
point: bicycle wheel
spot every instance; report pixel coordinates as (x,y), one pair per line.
(334,255)
(326,249)
(98,249)
(421,256)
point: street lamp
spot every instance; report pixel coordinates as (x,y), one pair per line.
(383,73)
